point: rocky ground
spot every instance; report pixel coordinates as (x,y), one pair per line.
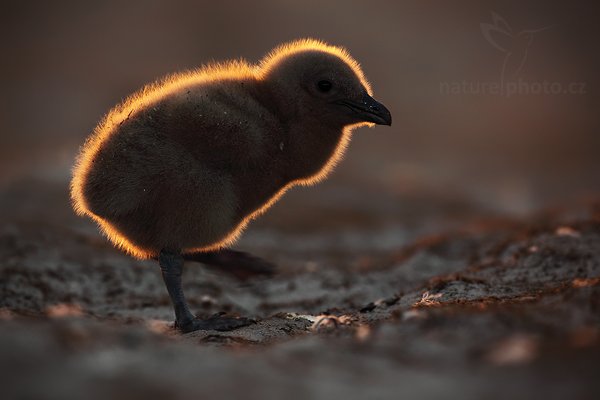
(373,300)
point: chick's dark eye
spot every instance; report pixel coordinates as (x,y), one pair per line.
(324,86)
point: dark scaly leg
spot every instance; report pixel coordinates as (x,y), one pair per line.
(171,266)
(237,263)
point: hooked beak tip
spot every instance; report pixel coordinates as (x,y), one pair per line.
(369,110)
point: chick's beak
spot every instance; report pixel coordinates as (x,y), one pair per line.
(368,110)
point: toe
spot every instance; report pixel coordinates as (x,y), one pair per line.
(215,323)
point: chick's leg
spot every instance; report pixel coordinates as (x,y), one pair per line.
(171,266)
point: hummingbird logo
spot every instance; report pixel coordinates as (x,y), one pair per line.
(515,46)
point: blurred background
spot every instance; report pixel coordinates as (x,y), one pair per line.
(376,243)
(65,64)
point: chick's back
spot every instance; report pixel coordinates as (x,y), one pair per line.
(185,170)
